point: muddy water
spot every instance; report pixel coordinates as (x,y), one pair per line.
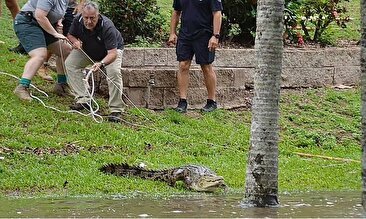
(339,204)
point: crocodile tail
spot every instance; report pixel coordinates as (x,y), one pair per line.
(126,170)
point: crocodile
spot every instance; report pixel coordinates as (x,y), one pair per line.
(194,177)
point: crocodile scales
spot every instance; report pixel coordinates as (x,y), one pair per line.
(196,178)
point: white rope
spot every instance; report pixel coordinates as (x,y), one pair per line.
(114,84)
(92,112)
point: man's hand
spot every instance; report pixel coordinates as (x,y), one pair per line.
(59,36)
(172,40)
(77,44)
(97,66)
(213,44)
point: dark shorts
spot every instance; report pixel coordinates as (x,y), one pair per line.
(197,47)
(30,34)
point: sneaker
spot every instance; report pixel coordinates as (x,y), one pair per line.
(62,89)
(115,117)
(18,49)
(43,72)
(23,93)
(182,106)
(79,106)
(210,106)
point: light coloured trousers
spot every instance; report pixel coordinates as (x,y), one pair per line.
(76,63)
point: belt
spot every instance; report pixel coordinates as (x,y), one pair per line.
(26,13)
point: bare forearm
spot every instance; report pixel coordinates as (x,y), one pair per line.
(110,57)
(174,22)
(217,20)
(43,21)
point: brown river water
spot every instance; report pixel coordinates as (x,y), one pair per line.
(297,205)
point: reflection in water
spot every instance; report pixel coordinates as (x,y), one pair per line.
(339,204)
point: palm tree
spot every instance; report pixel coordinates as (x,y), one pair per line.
(261,187)
(363,99)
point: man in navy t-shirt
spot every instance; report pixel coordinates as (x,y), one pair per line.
(198,35)
(96,41)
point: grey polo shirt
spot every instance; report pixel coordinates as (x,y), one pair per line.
(56,8)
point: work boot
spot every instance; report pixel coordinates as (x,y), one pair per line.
(43,72)
(182,106)
(115,117)
(18,49)
(210,106)
(80,106)
(62,89)
(23,93)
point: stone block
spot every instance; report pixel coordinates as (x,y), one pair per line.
(135,95)
(342,57)
(165,78)
(347,75)
(156,57)
(172,58)
(133,57)
(234,97)
(243,77)
(309,58)
(136,77)
(307,77)
(235,58)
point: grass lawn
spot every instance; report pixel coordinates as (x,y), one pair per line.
(45,152)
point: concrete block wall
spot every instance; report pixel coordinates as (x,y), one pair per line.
(149,75)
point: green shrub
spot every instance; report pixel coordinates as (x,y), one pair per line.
(239,20)
(314,17)
(136,19)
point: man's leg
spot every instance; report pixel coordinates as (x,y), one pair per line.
(75,64)
(183,78)
(13,7)
(183,82)
(210,82)
(115,84)
(115,87)
(61,50)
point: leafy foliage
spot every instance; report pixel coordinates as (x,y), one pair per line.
(314,17)
(135,18)
(239,20)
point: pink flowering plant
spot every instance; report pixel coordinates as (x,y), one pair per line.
(315,16)
(307,20)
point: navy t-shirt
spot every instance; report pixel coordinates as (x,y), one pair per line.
(196,16)
(96,43)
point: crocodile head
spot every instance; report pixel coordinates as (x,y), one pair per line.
(208,183)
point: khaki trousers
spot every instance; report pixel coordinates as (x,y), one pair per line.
(76,63)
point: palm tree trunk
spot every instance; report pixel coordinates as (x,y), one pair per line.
(261,187)
(363,99)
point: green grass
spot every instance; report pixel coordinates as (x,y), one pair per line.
(315,121)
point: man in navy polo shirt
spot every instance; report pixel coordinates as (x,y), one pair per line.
(199,35)
(96,41)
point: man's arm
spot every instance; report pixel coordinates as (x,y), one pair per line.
(13,7)
(108,59)
(173,27)
(217,20)
(76,43)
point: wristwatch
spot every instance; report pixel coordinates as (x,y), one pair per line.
(102,63)
(217,36)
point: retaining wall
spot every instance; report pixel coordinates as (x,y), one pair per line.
(149,75)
